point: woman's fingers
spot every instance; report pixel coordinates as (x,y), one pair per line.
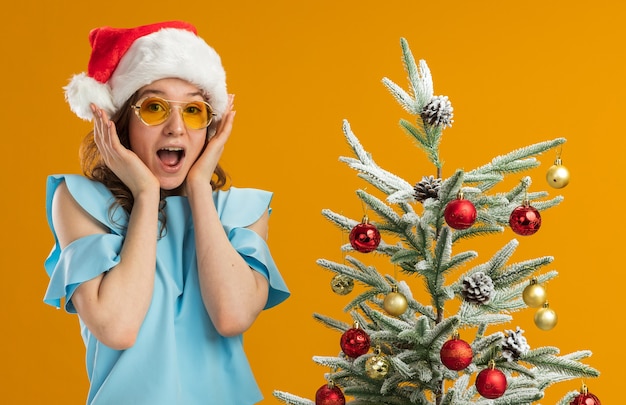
(224,129)
(103,135)
(227,111)
(123,162)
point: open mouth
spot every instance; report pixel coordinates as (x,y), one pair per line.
(171,156)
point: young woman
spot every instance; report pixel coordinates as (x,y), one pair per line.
(165,269)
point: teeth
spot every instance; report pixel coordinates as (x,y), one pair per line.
(172,149)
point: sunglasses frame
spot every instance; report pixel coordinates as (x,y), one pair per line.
(137,108)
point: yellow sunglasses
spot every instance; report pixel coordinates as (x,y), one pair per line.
(156,110)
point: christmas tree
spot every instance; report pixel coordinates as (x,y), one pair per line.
(399,350)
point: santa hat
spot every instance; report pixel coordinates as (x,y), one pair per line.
(125,59)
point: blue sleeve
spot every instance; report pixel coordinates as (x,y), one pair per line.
(88,257)
(239,208)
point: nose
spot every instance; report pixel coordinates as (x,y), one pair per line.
(175,125)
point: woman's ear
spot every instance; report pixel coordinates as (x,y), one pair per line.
(211,130)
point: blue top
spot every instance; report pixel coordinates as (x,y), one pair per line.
(178,357)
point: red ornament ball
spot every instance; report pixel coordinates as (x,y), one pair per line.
(364,237)
(491,383)
(585,398)
(460,214)
(329,394)
(525,220)
(355,342)
(456,354)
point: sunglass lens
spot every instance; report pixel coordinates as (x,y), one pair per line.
(196,115)
(154,110)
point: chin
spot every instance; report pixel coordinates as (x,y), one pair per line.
(173,188)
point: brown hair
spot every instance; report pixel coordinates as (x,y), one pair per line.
(94,167)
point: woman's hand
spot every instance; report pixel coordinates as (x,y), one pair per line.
(202,170)
(123,162)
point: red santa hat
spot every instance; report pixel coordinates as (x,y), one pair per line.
(125,59)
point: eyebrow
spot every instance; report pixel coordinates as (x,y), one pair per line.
(162,93)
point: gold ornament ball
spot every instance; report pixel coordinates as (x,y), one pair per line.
(557,175)
(377,366)
(395,303)
(534,295)
(342,284)
(545,318)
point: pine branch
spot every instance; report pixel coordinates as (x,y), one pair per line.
(342,222)
(476,231)
(501,164)
(400,226)
(291,399)
(334,363)
(403,255)
(435,337)
(549,376)
(360,272)
(359,300)
(454,395)
(451,187)
(420,78)
(404,99)
(563,365)
(331,322)
(518,192)
(484,347)
(417,132)
(566,400)
(474,315)
(473,177)
(386,181)
(416,335)
(516,398)
(520,370)
(385,323)
(499,259)
(427,138)
(383,210)
(458,260)
(420,81)
(518,271)
(404,370)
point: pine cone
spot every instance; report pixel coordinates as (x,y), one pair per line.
(478,288)
(427,188)
(514,345)
(438,111)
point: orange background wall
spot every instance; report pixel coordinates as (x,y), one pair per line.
(516,72)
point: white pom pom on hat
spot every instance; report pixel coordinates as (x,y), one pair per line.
(125,59)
